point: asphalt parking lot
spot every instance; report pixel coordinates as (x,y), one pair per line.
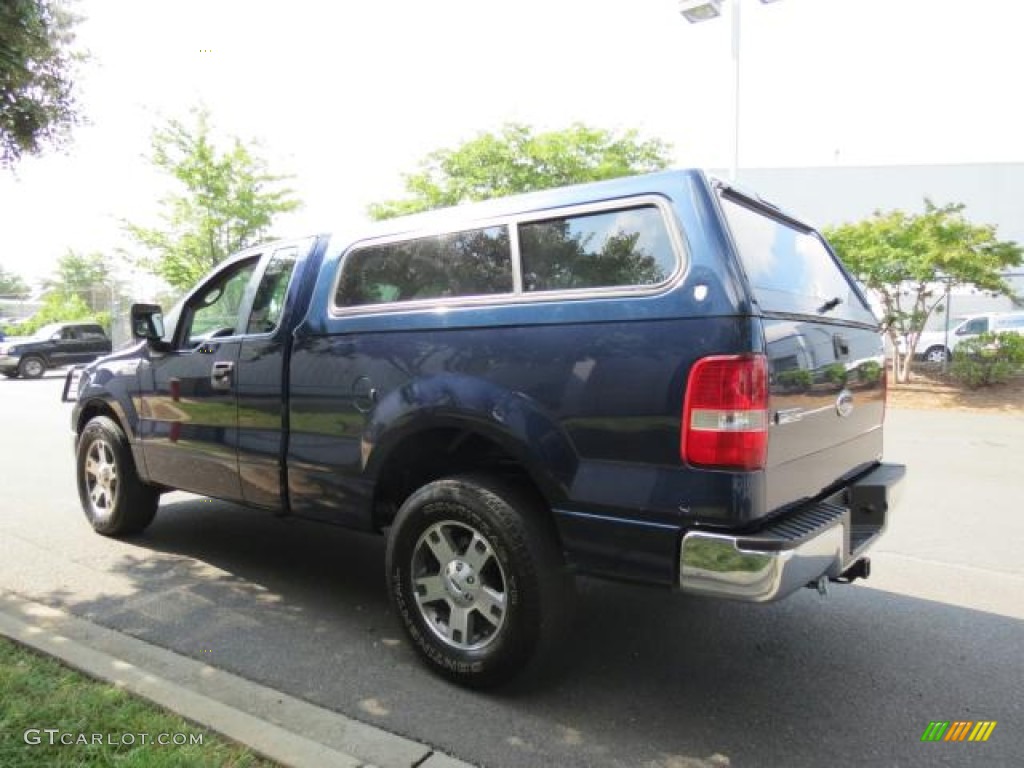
(654,679)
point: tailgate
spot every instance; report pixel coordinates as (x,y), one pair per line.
(826,406)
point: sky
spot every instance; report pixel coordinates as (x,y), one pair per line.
(349,96)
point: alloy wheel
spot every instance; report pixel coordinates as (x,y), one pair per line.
(101,479)
(460,586)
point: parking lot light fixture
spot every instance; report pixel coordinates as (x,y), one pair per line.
(696,11)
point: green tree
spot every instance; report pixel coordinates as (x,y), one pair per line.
(515,159)
(86,276)
(60,307)
(12,286)
(37,99)
(909,261)
(81,288)
(226,201)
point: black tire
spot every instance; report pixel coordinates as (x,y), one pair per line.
(31,367)
(115,501)
(498,544)
(937,354)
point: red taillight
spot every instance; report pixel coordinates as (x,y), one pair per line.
(725,414)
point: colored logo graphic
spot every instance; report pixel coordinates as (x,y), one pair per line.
(958,730)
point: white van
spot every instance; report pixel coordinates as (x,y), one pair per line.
(932,345)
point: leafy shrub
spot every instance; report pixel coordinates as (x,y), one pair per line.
(869,372)
(794,380)
(988,359)
(835,374)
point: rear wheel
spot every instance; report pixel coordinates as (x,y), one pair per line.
(31,367)
(937,354)
(477,578)
(116,502)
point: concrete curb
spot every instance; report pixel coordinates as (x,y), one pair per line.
(285,729)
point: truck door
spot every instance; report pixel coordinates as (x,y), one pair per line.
(66,345)
(189,410)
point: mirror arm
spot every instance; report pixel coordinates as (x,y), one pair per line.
(159,346)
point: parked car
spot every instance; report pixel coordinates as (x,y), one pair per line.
(658,379)
(53,346)
(932,345)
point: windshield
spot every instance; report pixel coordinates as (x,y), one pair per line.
(46,331)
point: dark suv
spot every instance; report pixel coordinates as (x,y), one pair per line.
(53,346)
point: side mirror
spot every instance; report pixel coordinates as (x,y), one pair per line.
(147,322)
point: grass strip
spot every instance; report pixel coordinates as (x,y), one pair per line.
(95,723)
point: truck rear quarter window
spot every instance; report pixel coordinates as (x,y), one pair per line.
(597,250)
(790,269)
(475,262)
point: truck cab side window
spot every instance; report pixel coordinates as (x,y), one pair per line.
(213,311)
(268,304)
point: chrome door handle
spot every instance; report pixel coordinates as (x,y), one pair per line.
(221,376)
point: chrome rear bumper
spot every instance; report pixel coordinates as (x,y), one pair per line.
(821,540)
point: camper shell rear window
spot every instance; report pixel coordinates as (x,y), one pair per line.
(789,267)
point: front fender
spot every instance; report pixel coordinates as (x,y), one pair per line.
(510,419)
(113,382)
(111,387)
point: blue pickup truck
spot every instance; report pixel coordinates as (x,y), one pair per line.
(660,379)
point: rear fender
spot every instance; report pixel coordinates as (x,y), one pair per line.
(513,421)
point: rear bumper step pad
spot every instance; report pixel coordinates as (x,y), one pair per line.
(819,541)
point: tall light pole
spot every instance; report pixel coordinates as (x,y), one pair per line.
(696,11)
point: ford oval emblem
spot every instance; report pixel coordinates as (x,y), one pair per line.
(844,403)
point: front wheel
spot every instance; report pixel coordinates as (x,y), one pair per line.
(114,498)
(31,367)
(477,579)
